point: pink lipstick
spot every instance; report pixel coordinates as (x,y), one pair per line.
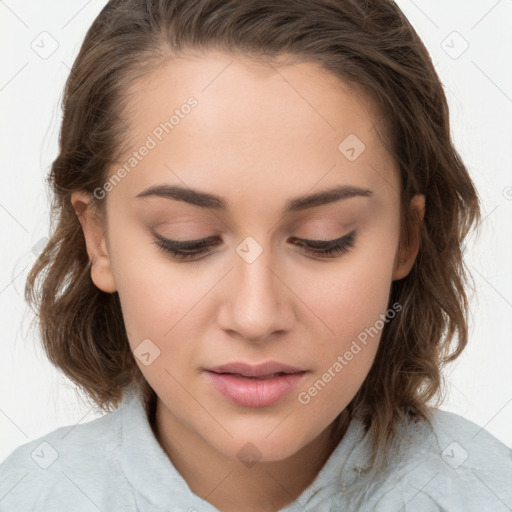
(255,385)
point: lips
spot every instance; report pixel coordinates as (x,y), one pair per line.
(255,385)
(264,370)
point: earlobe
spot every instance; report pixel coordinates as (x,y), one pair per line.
(95,240)
(406,256)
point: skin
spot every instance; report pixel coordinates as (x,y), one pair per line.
(258,137)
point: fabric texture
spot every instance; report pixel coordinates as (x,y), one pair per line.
(115,463)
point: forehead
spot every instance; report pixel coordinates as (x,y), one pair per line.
(219,121)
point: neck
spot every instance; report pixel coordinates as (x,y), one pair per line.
(227,483)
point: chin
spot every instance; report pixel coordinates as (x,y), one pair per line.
(259,448)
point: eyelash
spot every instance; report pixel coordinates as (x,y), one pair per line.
(190,249)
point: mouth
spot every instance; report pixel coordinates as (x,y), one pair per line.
(255,385)
(262,377)
(264,370)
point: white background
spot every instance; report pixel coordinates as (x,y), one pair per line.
(35,398)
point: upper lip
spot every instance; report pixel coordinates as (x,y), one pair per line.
(251,370)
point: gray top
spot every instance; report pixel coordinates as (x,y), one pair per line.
(115,463)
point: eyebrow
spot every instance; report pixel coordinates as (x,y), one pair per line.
(298,204)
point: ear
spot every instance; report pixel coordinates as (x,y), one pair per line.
(95,239)
(406,255)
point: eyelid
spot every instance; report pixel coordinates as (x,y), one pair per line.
(188,244)
(323,243)
(194,250)
(201,242)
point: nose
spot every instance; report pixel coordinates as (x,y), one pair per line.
(257,301)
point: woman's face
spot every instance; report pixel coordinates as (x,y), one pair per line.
(260,140)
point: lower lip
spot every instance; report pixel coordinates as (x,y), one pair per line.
(249,392)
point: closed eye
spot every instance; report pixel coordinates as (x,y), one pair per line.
(191,249)
(327,248)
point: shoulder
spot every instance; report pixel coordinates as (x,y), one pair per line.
(70,464)
(448,464)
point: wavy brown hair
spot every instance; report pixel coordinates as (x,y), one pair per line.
(367,43)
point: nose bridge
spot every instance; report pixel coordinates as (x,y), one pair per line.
(255,305)
(252,266)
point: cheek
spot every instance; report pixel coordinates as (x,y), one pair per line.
(350,308)
(154,293)
(349,297)
(350,304)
